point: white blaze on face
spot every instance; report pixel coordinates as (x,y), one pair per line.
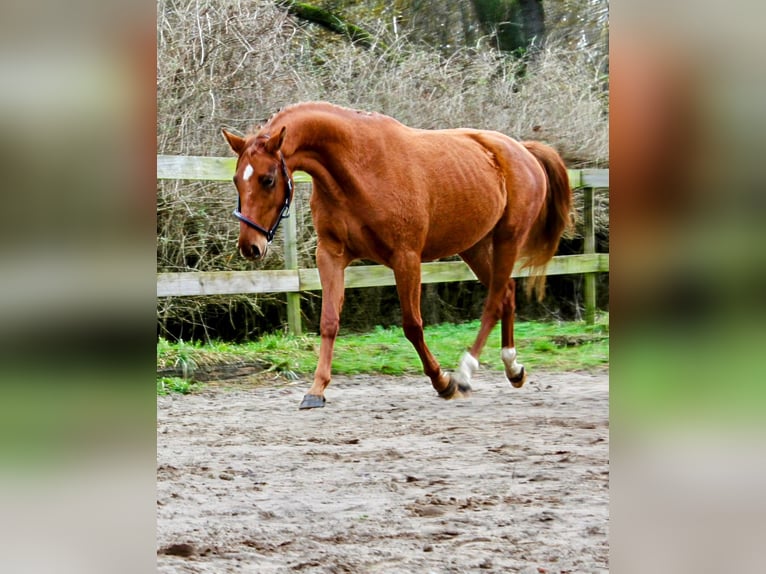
(248,173)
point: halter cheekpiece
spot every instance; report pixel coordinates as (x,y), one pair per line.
(284,213)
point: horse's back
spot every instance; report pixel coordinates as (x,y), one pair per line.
(458,182)
(477,166)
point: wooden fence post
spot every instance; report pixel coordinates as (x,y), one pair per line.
(589,246)
(294,321)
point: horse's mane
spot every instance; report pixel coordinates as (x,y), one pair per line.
(312,106)
(316,106)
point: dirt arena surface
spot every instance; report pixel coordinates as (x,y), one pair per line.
(386,478)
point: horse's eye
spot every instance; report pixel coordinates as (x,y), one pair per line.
(267,180)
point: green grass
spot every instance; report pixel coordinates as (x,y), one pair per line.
(167,385)
(553,346)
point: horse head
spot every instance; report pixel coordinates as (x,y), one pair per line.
(264,188)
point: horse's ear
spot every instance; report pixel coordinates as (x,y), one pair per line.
(237,143)
(275,142)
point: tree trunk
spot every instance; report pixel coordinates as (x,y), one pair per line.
(499,20)
(533,22)
(515,25)
(332,22)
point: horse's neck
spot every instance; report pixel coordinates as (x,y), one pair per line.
(319,144)
(320,132)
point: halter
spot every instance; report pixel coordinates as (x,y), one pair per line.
(285,212)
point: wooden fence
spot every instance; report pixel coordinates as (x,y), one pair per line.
(293,280)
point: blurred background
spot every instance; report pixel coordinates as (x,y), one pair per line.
(688,270)
(77,288)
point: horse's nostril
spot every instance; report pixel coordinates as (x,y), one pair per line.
(251,251)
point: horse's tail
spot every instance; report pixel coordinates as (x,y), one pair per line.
(552,221)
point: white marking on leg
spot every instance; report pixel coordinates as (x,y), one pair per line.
(512,368)
(467,367)
(248,173)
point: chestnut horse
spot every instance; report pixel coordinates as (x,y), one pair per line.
(399,196)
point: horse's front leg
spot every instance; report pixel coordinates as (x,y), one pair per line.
(331,263)
(407,274)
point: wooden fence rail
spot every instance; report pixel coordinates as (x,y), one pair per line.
(294,280)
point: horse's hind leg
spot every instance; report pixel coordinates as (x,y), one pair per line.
(479,259)
(493,268)
(407,274)
(514,371)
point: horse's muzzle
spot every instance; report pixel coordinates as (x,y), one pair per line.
(252,251)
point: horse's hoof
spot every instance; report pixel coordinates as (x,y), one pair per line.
(464,389)
(518,381)
(312,402)
(456,389)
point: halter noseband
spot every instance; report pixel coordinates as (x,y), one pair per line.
(285,212)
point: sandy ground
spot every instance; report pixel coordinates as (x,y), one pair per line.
(386,478)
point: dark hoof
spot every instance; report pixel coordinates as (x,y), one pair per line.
(464,388)
(518,380)
(455,389)
(312,402)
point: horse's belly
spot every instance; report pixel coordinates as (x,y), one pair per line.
(457,226)
(447,240)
